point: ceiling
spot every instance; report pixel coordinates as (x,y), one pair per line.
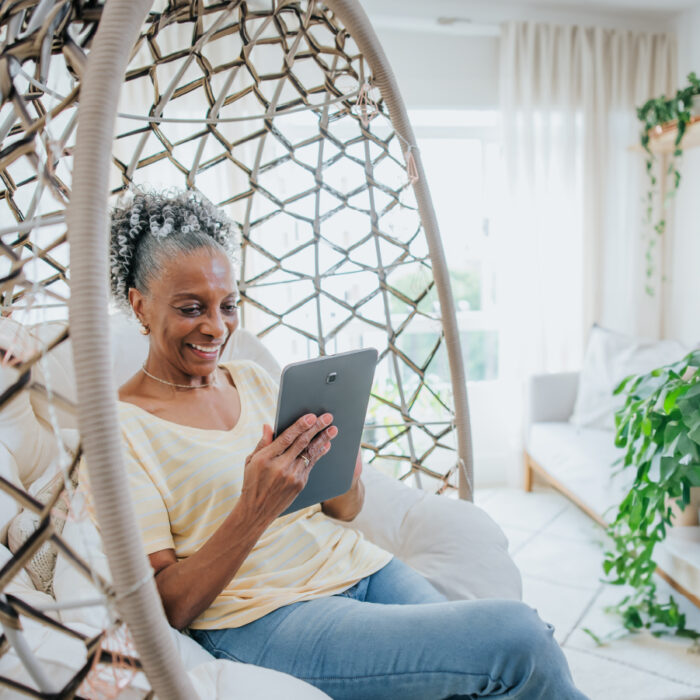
(466,16)
(632,6)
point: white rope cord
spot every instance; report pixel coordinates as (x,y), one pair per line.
(120,595)
(140,603)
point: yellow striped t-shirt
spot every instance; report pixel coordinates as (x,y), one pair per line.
(185,481)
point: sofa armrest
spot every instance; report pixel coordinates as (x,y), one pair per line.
(551,397)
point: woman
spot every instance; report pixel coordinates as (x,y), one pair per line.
(299,593)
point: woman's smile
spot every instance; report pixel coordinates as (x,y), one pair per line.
(206,352)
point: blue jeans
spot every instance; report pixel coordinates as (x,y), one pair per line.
(392,635)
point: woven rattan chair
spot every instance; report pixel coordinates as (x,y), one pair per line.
(288,116)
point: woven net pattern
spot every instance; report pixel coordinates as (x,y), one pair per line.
(268,110)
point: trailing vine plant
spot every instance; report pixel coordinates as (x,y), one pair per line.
(654,114)
(659,429)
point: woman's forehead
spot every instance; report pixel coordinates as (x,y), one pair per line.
(201,271)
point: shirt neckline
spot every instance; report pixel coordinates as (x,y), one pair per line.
(232,370)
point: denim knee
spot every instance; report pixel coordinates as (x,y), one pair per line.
(535,656)
(519,637)
(528,631)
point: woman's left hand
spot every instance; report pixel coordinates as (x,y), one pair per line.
(358,468)
(348,505)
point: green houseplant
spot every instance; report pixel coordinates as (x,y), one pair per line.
(659,429)
(655,114)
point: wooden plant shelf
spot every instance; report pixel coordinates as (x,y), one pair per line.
(663,139)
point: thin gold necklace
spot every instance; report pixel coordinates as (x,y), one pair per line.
(214,381)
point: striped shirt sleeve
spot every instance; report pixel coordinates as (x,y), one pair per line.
(151,511)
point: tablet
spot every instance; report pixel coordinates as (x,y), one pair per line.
(337,384)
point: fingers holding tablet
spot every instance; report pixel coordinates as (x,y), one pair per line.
(277,470)
(298,435)
(319,445)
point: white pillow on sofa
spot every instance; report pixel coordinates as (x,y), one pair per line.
(609,358)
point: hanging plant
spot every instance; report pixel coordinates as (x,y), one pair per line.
(659,429)
(656,115)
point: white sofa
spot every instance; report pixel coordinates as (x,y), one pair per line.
(453,543)
(570,442)
(577,460)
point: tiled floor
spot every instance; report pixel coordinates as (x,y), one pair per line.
(559,551)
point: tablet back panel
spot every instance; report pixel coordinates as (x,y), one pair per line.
(338,384)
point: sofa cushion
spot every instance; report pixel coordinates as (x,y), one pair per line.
(609,358)
(582,460)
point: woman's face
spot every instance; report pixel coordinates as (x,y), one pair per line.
(191,311)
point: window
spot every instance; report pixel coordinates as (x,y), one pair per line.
(461,155)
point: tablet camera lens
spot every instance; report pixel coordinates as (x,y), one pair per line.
(331,377)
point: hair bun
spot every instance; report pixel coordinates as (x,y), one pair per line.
(159,214)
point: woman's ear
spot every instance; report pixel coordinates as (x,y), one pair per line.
(138,303)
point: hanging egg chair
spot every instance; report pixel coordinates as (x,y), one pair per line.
(288,117)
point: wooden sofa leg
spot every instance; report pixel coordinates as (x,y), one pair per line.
(528,472)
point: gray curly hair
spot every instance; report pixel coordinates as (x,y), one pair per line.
(157,226)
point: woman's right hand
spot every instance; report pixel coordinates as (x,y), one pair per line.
(275,472)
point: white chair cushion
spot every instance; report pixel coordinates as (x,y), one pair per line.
(459,549)
(59,654)
(453,543)
(226,679)
(8,506)
(386,503)
(30,443)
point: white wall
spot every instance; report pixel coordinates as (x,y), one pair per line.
(682,306)
(443,71)
(456,66)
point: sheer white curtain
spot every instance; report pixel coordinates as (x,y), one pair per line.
(572,229)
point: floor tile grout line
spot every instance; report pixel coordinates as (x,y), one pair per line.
(562,584)
(584,612)
(593,593)
(620,662)
(538,531)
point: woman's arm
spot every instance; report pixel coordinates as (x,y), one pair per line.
(348,505)
(274,474)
